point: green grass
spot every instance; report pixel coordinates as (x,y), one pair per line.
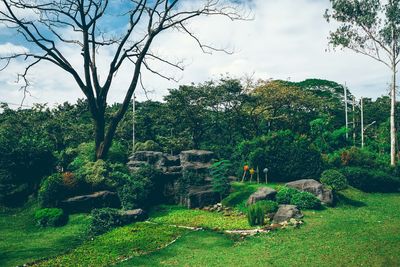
(363,230)
(176,215)
(22,241)
(121,243)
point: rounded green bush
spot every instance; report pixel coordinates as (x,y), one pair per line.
(285,194)
(51,217)
(305,200)
(51,191)
(334,179)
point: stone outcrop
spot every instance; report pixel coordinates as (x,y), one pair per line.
(263,193)
(173,167)
(130,216)
(287,212)
(314,187)
(86,203)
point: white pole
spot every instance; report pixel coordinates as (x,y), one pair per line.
(345,110)
(362,123)
(354,121)
(133,122)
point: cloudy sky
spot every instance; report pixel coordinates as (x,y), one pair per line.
(287,39)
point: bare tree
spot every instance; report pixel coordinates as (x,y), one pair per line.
(43,25)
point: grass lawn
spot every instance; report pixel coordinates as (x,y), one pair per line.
(21,241)
(363,230)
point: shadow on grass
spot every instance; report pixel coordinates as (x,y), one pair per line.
(343,200)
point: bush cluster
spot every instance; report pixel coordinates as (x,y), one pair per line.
(334,179)
(303,200)
(104,220)
(287,156)
(370,180)
(51,217)
(268,206)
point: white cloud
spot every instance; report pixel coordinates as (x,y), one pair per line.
(286,39)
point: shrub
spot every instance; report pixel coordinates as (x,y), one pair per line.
(305,200)
(287,156)
(51,217)
(334,179)
(268,206)
(285,195)
(104,220)
(220,177)
(149,145)
(52,190)
(136,192)
(371,180)
(256,214)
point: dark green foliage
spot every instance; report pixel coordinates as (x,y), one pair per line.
(149,145)
(287,156)
(370,180)
(305,200)
(104,220)
(256,214)
(285,194)
(142,189)
(334,179)
(220,177)
(268,206)
(51,217)
(52,191)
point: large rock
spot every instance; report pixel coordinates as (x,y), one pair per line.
(202,156)
(86,203)
(314,187)
(200,196)
(263,193)
(130,216)
(286,212)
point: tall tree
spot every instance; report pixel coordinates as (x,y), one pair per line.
(371,28)
(44,26)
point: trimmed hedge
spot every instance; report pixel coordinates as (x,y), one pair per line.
(334,179)
(371,180)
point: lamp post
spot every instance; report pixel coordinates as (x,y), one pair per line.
(265,171)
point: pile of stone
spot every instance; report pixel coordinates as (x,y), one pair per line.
(173,167)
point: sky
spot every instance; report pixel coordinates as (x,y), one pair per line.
(286,39)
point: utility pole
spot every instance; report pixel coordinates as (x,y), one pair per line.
(354,121)
(133,122)
(345,110)
(362,122)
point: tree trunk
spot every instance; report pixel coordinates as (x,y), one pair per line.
(392,119)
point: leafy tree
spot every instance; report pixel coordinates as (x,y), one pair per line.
(141,23)
(371,28)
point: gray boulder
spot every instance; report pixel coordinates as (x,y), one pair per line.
(130,216)
(263,193)
(85,203)
(287,212)
(314,187)
(200,196)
